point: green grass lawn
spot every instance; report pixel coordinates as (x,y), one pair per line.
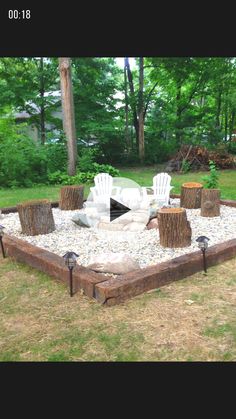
(189,320)
(142,175)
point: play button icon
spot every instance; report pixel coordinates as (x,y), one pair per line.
(117,209)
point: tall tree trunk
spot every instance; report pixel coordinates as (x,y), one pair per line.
(68,113)
(226,117)
(127,139)
(141,112)
(178,117)
(42,107)
(218,110)
(132,102)
(231,127)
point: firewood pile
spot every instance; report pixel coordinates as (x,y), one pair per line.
(197,158)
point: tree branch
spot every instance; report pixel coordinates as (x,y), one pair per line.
(197,84)
(148,99)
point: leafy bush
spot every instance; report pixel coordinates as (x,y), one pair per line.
(86,159)
(159,150)
(232,148)
(56,156)
(61,178)
(185,167)
(212,180)
(22,161)
(105,168)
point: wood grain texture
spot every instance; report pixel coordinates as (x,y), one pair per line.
(36,217)
(174,228)
(191,195)
(210,203)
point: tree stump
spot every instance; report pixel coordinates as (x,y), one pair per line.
(174,228)
(71,197)
(210,205)
(191,195)
(36,217)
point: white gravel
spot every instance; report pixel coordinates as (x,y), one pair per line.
(143,246)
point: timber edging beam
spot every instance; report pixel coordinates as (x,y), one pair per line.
(116,290)
(52,264)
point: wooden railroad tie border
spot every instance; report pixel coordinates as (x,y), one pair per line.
(52,264)
(114,291)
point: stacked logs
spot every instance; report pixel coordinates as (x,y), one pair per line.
(198,158)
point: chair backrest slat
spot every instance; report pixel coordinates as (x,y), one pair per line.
(161,183)
(103,183)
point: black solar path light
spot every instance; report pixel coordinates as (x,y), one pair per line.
(1,236)
(70,261)
(203,245)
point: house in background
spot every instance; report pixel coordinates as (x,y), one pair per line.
(52,108)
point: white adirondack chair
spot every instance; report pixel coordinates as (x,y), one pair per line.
(161,188)
(104,188)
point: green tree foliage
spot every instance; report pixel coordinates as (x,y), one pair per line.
(22,161)
(26,84)
(98,117)
(212,180)
(185,100)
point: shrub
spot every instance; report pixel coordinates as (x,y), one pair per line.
(185,167)
(61,178)
(105,168)
(22,161)
(56,157)
(159,150)
(212,180)
(86,159)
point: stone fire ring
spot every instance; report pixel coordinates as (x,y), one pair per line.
(111,291)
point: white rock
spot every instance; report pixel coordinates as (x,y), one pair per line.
(141,218)
(143,246)
(109,226)
(116,263)
(134,226)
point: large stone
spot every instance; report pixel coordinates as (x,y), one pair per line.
(153,211)
(152,224)
(81,220)
(109,226)
(141,217)
(115,263)
(134,226)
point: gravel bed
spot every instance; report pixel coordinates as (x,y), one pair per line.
(143,246)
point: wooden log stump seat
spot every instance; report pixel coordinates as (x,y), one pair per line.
(71,197)
(191,195)
(36,217)
(210,203)
(174,228)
